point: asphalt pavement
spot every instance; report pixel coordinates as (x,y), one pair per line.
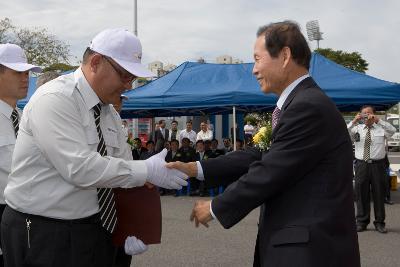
(184,245)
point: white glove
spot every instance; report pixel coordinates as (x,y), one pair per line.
(161,176)
(134,246)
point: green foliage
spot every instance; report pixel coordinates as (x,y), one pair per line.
(41,47)
(259,118)
(62,67)
(351,60)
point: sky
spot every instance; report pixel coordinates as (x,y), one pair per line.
(174,31)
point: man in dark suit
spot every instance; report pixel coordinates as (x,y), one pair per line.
(161,135)
(138,149)
(215,151)
(173,154)
(303,183)
(199,187)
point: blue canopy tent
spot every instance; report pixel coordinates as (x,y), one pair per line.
(198,89)
(31,89)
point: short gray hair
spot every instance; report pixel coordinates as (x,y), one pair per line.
(46,77)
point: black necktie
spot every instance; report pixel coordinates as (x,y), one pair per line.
(15,121)
(105,195)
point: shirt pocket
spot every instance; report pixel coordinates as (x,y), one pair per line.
(111,137)
(379,136)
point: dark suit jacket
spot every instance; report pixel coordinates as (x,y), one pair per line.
(137,153)
(159,139)
(177,157)
(303,183)
(216,153)
(206,155)
(188,155)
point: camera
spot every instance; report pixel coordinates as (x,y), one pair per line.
(364,117)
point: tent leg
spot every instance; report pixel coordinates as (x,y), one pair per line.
(234,127)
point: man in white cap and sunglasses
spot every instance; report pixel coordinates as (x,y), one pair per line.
(14,79)
(69,154)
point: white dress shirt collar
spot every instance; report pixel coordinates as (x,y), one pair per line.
(288,90)
(88,94)
(5,109)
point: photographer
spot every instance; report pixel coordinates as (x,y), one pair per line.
(369,134)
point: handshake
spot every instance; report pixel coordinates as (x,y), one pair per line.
(173,175)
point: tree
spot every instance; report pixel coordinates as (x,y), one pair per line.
(62,67)
(41,47)
(351,60)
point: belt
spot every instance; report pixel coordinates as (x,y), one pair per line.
(95,218)
(372,161)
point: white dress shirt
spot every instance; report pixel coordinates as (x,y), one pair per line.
(279,104)
(7,142)
(56,167)
(185,134)
(379,132)
(207,135)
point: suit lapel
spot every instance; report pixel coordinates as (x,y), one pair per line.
(306,83)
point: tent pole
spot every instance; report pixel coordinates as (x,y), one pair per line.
(234,128)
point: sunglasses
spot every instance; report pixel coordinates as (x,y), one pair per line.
(124,75)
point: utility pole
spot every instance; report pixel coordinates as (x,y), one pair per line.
(135,31)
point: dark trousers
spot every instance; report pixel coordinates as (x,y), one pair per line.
(370,179)
(122,259)
(54,243)
(388,186)
(2,206)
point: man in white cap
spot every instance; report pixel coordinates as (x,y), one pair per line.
(14,78)
(69,154)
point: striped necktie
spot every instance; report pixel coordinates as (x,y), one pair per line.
(105,195)
(15,121)
(367,145)
(275,117)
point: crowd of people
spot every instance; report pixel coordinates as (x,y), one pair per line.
(186,146)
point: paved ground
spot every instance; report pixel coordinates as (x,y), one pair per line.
(184,245)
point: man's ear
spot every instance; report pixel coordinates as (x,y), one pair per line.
(286,54)
(94,62)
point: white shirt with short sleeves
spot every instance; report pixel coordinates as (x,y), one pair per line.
(208,135)
(379,133)
(190,135)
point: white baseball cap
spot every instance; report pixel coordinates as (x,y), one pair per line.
(12,56)
(123,47)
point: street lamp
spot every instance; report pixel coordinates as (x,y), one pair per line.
(313,32)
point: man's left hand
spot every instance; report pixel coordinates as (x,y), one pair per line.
(134,246)
(201,213)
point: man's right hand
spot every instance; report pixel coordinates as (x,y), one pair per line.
(189,168)
(357,118)
(159,175)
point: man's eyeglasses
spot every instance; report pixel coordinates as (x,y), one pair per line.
(123,74)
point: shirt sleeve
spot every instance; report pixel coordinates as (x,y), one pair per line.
(57,127)
(200,174)
(387,127)
(352,129)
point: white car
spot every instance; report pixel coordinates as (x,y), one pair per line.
(394,142)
